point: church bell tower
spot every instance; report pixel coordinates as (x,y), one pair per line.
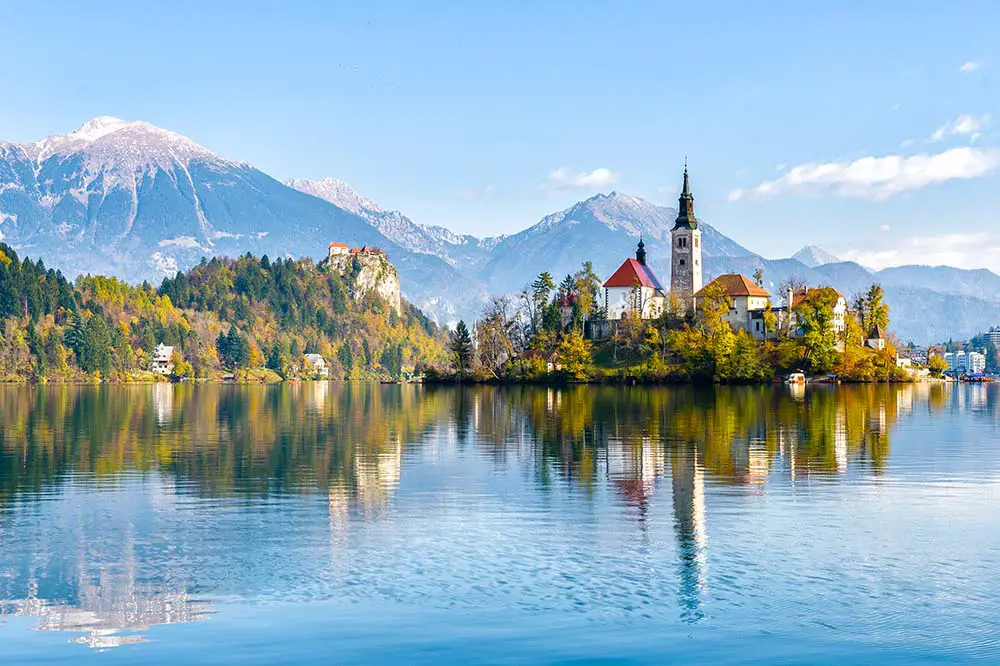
(685,262)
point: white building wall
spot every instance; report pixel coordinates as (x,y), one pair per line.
(619,300)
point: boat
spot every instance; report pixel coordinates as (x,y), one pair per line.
(795,378)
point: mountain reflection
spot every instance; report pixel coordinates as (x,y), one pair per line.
(351,446)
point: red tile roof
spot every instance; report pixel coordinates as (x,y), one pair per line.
(338,244)
(631,272)
(734,284)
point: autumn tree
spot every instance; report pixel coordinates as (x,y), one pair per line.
(814,315)
(573,357)
(495,336)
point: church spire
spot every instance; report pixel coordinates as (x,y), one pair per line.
(640,252)
(685,205)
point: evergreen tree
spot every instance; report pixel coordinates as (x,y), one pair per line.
(460,346)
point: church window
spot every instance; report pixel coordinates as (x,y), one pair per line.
(696,242)
(681,262)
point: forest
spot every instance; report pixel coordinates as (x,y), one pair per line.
(247,318)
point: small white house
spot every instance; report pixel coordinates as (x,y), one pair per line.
(797,297)
(317,364)
(162,363)
(338,250)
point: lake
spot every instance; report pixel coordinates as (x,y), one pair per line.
(362,523)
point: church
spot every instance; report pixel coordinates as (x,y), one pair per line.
(634,287)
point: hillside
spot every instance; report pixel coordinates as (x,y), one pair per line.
(224,315)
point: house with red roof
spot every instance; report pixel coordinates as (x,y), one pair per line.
(796,297)
(748,302)
(634,289)
(338,249)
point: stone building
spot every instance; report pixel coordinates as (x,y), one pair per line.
(685,260)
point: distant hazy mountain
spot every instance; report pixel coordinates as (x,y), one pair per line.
(813,256)
(134,200)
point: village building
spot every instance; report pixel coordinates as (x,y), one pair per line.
(634,289)
(962,362)
(788,320)
(876,338)
(748,302)
(316,364)
(547,357)
(685,256)
(338,250)
(163,359)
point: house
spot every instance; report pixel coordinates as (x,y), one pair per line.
(788,321)
(338,250)
(876,338)
(316,364)
(162,359)
(546,356)
(634,289)
(748,302)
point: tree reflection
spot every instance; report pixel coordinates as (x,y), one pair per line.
(347,444)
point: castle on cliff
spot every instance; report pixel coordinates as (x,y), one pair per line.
(372,271)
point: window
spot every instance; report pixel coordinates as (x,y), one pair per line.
(681,262)
(696,242)
(682,242)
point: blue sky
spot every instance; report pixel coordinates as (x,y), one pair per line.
(484,117)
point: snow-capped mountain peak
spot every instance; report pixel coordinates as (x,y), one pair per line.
(139,141)
(813,256)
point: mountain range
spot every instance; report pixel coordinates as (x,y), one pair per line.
(137,201)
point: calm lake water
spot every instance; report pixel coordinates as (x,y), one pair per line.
(334,523)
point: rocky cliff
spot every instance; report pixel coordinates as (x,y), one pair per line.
(369,272)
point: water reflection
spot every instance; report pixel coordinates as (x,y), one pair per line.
(151,478)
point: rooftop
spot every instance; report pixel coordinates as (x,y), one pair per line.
(631,273)
(734,284)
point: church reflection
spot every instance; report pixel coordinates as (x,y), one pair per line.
(729,437)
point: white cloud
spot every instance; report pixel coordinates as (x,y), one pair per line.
(970,66)
(964,125)
(884,227)
(877,178)
(564,179)
(971,250)
(187,242)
